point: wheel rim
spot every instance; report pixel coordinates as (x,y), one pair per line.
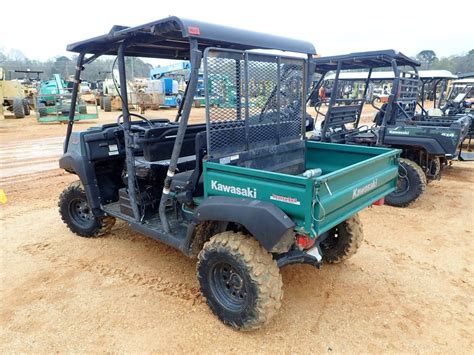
(229,286)
(403,184)
(81,213)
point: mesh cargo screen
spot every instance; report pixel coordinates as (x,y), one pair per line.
(253,100)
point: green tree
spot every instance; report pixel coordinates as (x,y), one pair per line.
(427,57)
(62,66)
(456,63)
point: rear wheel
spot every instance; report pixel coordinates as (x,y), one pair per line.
(107,103)
(65,110)
(343,240)
(411,184)
(82,109)
(42,111)
(26,107)
(18,108)
(240,280)
(77,215)
(435,167)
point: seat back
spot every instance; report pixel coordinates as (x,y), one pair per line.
(200,148)
(341,115)
(158,142)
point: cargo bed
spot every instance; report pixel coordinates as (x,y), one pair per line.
(460,121)
(353,177)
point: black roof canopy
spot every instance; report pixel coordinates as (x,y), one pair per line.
(363,60)
(169,38)
(466,75)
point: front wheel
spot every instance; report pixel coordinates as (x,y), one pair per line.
(240,280)
(411,184)
(77,214)
(343,240)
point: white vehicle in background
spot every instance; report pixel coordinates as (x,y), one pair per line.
(85,88)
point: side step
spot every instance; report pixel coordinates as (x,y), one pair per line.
(179,239)
(466,156)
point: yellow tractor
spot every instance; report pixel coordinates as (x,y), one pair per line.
(12,96)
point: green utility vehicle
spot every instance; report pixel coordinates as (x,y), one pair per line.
(245,193)
(53,103)
(427,145)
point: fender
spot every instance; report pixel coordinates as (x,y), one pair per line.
(74,163)
(432,146)
(265,221)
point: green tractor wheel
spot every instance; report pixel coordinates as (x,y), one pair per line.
(65,110)
(82,109)
(42,111)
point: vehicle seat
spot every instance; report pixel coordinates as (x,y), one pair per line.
(367,137)
(158,142)
(435,112)
(192,180)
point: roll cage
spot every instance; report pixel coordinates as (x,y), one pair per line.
(402,98)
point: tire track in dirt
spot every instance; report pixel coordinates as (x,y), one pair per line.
(178,290)
(32,176)
(400,258)
(29,157)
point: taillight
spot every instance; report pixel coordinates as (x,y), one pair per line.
(380,202)
(304,241)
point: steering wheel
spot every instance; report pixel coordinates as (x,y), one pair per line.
(317,106)
(143,118)
(375,107)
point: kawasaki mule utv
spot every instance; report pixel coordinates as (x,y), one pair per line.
(426,145)
(245,192)
(451,105)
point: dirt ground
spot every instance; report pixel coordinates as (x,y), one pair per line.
(410,288)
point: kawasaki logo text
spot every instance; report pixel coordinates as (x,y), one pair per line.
(364,189)
(241,191)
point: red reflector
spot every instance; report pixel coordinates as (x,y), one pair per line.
(194,31)
(380,202)
(304,241)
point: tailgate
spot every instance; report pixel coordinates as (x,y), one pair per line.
(343,192)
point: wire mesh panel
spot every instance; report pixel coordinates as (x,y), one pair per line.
(253,100)
(408,93)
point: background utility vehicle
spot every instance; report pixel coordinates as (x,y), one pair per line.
(229,191)
(452,104)
(54,101)
(426,144)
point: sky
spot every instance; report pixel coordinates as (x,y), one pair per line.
(43,30)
